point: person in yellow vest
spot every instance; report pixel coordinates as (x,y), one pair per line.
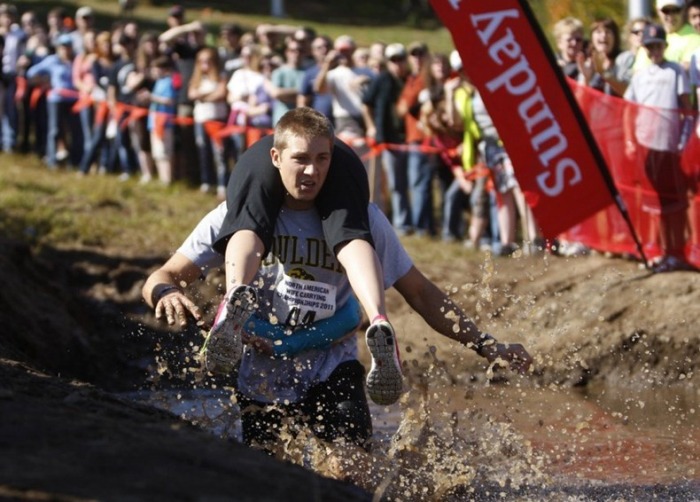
(681,39)
(466,186)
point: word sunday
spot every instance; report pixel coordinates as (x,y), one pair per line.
(518,79)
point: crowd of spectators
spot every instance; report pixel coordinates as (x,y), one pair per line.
(653,64)
(184,103)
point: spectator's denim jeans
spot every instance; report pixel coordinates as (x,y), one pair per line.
(420,176)
(396,171)
(210,153)
(10,115)
(456,201)
(62,122)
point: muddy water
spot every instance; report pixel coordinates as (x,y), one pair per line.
(505,442)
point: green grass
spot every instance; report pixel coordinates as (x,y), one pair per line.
(366,21)
(59,209)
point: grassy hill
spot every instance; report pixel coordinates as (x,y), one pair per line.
(367,21)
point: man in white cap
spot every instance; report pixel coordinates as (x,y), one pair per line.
(84,22)
(385,126)
(338,77)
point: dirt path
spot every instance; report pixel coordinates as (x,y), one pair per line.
(78,314)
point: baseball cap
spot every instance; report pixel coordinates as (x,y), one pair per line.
(84,11)
(65,39)
(660,4)
(344,42)
(394,50)
(653,33)
(176,11)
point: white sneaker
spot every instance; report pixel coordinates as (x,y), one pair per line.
(223,346)
(385,380)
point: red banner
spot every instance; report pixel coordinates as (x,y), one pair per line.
(648,204)
(507,58)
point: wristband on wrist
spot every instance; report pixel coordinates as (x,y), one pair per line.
(165,290)
(482,342)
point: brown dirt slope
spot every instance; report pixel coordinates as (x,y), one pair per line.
(71,316)
(582,318)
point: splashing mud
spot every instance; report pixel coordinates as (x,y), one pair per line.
(507,438)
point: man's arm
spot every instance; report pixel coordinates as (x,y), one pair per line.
(174,33)
(321,82)
(163,290)
(442,314)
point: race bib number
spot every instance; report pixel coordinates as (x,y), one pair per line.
(299,302)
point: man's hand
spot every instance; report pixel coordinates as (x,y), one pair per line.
(513,355)
(174,305)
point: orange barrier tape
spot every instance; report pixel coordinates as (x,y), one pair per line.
(135,113)
(35,96)
(84,101)
(101,112)
(212,128)
(21,89)
(161,120)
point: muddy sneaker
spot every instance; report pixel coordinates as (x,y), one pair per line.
(224,345)
(385,380)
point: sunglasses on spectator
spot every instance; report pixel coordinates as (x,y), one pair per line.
(636,32)
(397,59)
(671,10)
(417,53)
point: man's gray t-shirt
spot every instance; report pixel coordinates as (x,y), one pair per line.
(657,88)
(301,280)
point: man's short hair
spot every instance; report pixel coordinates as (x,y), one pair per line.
(304,122)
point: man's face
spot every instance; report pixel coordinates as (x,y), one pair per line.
(671,17)
(174,21)
(319,48)
(694,18)
(655,51)
(84,22)
(303,165)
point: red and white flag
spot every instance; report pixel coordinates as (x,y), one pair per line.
(556,160)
